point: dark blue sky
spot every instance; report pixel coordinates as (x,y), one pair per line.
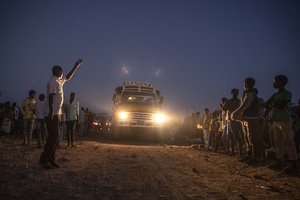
(194,51)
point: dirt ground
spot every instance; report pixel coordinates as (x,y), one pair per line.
(99,168)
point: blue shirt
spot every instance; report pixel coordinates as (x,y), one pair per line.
(72,111)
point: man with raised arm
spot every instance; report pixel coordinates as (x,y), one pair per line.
(53,112)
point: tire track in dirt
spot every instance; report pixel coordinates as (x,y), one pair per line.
(229,175)
(205,183)
(196,184)
(123,173)
(159,164)
(160,182)
(216,179)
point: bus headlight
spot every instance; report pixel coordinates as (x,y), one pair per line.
(123,115)
(159,118)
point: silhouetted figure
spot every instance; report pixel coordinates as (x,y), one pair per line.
(234,127)
(205,124)
(28,112)
(53,112)
(194,122)
(199,132)
(41,128)
(72,114)
(214,128)
(279,103)
(263,122)
(223,126)
(16,119)
(248,113)
(7,118)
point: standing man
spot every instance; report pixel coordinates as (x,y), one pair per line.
(205,124)
(41,129)
(234,128)
(28,112)
(248,113)
(282,123)
(53,112)
(223,127)
(16,114)
(72,114)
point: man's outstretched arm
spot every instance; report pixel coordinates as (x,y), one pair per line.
(76,65)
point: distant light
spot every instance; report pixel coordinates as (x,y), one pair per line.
(158,72)
(125,70)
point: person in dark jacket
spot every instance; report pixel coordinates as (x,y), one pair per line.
(248,113)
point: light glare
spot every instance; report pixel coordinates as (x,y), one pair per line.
(123,115)
(159,118)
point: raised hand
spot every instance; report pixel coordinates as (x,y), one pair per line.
(78,62)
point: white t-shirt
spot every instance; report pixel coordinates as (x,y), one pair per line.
(55,86)
(72,111)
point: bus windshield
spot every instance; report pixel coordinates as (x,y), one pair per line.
(139,99)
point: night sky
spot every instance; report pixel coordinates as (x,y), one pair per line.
(194,51)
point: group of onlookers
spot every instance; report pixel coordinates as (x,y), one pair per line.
(10,117)
(252,125)
(249,124)
(28,119)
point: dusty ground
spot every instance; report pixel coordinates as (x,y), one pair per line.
(98,168)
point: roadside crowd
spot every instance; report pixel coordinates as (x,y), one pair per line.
(28,119)
(259,130)
(248,125)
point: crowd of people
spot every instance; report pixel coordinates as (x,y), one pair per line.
(30,123)
(250,126)
(50,117)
